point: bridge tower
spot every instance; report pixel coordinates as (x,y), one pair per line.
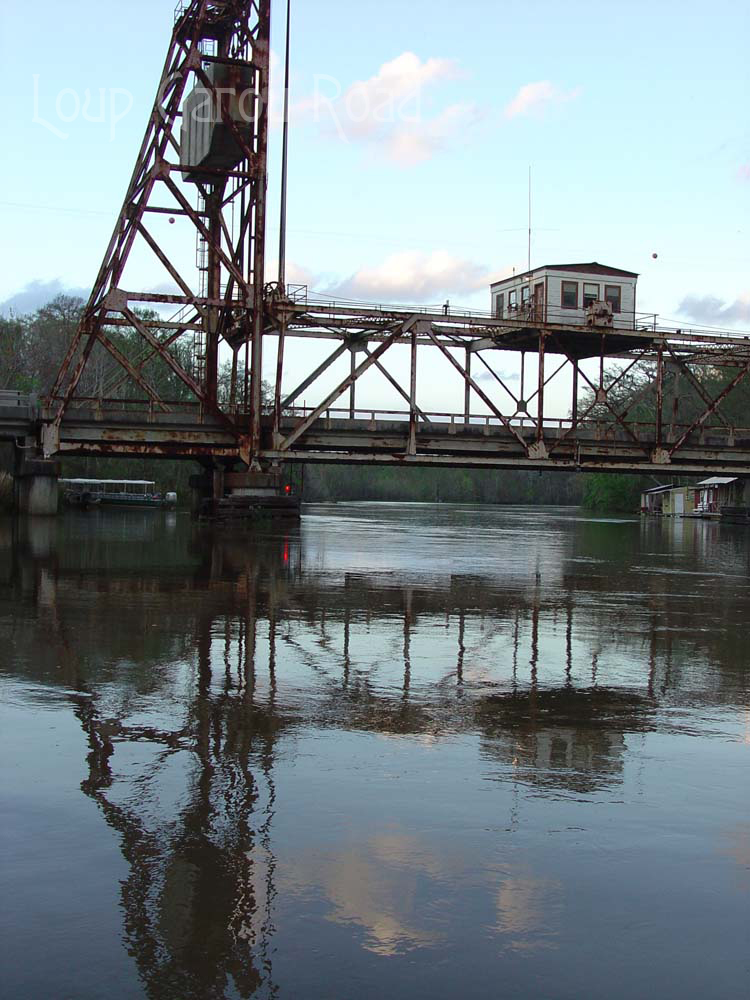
(199,186)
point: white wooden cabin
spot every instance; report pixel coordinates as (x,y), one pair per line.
(717,492)
(571,294)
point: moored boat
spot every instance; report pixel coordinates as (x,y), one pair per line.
(115,493)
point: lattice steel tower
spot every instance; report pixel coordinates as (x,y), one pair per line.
(208,131)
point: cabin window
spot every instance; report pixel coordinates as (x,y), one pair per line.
(569,298)
(499,306)
(613,295)
(513,299)
(590,294)
(525,295)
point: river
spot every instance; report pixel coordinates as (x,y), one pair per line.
(403,751)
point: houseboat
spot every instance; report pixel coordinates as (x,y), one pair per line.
(669,501)
(115,493)
(652,501)
(711,495)
(718,496)
(590,294)
(679,502)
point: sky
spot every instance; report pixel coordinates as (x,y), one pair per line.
(412,185)
(413,128)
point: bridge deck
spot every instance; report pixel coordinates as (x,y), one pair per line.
(385,438)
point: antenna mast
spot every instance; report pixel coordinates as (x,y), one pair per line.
(529,268)
(285,155)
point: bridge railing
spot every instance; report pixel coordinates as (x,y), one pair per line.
(554,315)
(432,417)
(115,405)
(185,412)
(11,398)
(642,429)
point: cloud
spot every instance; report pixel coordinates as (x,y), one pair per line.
(36,294)
(413,276)
(506,376)
(409,145)
(388,112)
(743,173)
(536,98)
(299,275)
(709,310)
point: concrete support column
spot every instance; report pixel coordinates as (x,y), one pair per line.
(201,492)
(36,488)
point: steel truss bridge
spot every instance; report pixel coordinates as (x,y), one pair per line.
(206,187)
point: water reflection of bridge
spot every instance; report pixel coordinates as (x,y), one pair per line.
(198,660)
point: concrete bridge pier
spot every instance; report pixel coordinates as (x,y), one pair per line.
(205,487)
(228,495)
(36,490)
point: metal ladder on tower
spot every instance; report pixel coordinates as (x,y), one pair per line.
(201,263)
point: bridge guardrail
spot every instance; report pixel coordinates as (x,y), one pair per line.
(186,410)
(597,427)
(11,398)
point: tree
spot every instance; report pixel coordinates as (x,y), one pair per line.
(13,355)
(613,492)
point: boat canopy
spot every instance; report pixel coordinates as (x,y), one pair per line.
(108,482)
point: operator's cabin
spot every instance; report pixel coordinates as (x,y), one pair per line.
(571,294)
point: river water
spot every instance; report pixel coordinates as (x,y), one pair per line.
(398,751)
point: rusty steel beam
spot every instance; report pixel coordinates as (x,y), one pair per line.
(659,398)
(169,266)
(118,428)
(603,463)
(595,389)
(699,421)
(392,381)
(540,394)
(411,447)
(340,389)
(131,370)
(497,378)
(548,378)
(261,55)
(477,389)
(313,376)
(277,402)
(467,385)
(241,36)
(142,360)
(697,386)
(207,235)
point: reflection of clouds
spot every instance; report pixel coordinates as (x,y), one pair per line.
(375,884)
(402,894)
(528,911)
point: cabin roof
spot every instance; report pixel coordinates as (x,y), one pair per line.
(659,489)
(718,481)
(593,268)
